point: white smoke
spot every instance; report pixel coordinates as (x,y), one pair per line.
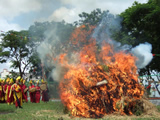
(53,46)
(143,53)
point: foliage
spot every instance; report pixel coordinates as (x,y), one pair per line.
(138,108)
(16,50)
(47,32)
(141,24)
(93,18)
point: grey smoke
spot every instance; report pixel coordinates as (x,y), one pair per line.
(52,47)
(143,54)
(112,23)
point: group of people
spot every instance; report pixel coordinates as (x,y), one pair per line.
(16,92)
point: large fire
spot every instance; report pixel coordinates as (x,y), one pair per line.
(102,81)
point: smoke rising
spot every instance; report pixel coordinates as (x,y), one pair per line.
(143,53)
(51,48)
(112,23)
(54,46)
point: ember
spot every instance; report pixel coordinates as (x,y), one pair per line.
(101,81)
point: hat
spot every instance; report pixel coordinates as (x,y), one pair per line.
(42,81)
(8,79)
(2,81)
(11,80)
(18,78)
(21,80)
(24,81)
(37,81)
(30,81)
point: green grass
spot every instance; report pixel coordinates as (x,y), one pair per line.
(45,111)
(32,111)
(158,107)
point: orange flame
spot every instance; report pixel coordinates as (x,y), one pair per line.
(79,90)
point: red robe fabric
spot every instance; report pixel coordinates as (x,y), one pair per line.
(32,95)
(45,97)
(17,94)
(5,88)
(2,95)
(38,95)
(11,98)
(24,95)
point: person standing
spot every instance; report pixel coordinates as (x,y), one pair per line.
(10,100)
(1,91)
(32,94)
(25,99)
(5,88)
(23,86)
(45,97)
(38,95)
(17,93)
(2,95)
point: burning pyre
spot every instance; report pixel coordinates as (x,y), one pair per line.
(101,81)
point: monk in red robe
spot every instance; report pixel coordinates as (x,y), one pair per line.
(1,90)
(2,95)
(38,95)
(5,89)
(17,93)
(25,98)
(32,94)
(24,95)
(45,97)
(10,100)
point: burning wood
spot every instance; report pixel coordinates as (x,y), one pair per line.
(102,82)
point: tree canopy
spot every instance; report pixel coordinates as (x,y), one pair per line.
(15,49)
(141,22)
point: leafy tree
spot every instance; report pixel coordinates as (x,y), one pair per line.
(15,49)
(141,24)
(48,32)
(93,18)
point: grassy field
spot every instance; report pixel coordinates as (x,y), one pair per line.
(52,111)
(32,111)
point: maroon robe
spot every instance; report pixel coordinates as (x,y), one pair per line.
(2,95)
(24,95)
(38,95)
(32,94)
(10,99)
(45,97)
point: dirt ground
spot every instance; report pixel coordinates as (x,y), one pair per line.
(115,116)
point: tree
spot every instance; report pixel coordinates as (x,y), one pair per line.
(93,18)
(53,34)
(141,21)
(141,24)
(15,49)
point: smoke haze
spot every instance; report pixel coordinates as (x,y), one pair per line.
(143,53)
(53,46)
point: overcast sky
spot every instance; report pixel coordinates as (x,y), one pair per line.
(20,14)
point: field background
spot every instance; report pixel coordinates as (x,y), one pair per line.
(55,111)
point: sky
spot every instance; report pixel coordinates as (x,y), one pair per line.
(20,14)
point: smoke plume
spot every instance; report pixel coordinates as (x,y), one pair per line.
(52,47)
(143,54)
(112,23)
